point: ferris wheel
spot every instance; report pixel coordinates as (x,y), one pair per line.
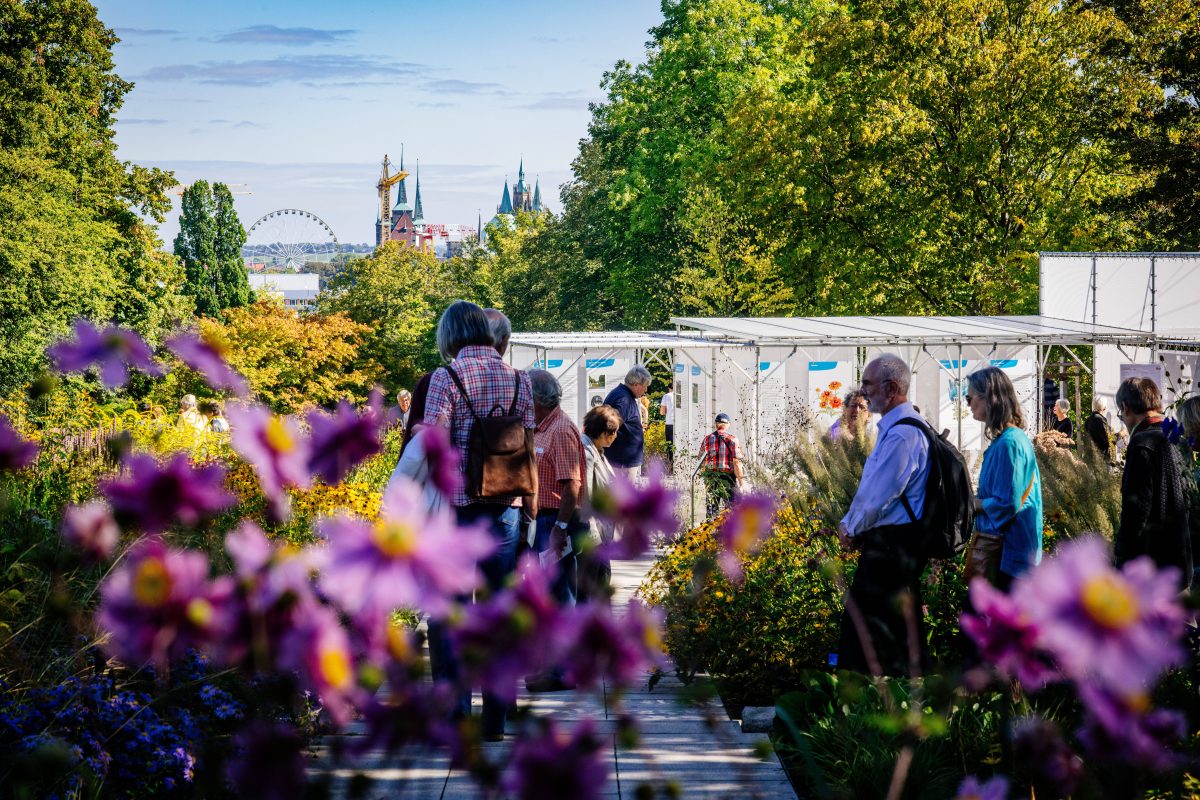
(289,238)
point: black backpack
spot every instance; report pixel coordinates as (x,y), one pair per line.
(949,510)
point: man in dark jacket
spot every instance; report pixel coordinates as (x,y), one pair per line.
(1154,519)
(626,453)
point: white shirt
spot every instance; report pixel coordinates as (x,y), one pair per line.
(899,464)
(668,403)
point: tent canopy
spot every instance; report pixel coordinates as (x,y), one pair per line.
(618,340)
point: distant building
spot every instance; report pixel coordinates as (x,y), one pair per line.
(298,290)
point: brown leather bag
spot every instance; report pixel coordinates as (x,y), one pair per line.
(500,450)
(985,550)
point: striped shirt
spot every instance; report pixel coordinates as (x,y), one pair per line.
(559,458)
(490,384)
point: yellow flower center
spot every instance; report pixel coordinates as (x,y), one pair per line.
(743,537)
(151,582)
(335,667)
(398,644)
(200,612)
(1108,600)
(395,539)
(278,437)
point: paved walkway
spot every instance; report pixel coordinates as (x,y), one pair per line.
(695,747)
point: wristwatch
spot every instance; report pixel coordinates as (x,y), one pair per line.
(562,526)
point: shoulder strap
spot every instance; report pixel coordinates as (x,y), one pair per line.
(913,423)
(461,390)
(512,412)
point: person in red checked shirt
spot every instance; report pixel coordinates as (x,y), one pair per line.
(721,456)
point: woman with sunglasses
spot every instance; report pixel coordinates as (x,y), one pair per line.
(1009,505)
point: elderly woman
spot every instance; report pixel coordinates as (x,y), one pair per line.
(852,424)
(1009,505)
(1062,422)
(600,426)
(1189,420)
(1096,426)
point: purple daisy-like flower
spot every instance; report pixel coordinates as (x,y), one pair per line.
(91,530)
(318,648)
(619,650)
(972,789)
(742,531)
(442,456)
(1128,730)
(153,498)
(517,632)
(549,763)
(639,512)
(1043,754)
(1006,637)
(343,439)
(273,446)
(16,452)
(405,559)
(267,761)
(159,602)
(1118,629)
(208,359)
(114,350)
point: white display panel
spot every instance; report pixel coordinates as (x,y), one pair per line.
(1066,287)
(1177,294)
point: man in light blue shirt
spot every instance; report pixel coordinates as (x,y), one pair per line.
(884,601)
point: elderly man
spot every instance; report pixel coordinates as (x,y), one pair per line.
(883,604)
(1097,428)
(562,470)
(501,329)
(627,452)
(721,456)
(404,403)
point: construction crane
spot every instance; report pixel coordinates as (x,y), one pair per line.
(245,189)
(386,182)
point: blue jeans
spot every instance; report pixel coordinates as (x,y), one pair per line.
(502,523)
(566,585)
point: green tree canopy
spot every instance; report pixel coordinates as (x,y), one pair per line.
(209,244)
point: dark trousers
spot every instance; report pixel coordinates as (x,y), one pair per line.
(886,591)
(670,438)
(503,523)
(719,489)
(566,585)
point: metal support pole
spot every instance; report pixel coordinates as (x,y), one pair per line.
(958,398)
(757,401)
(1093,290)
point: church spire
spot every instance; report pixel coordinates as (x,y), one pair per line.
(402,191)
(505,201)
(537,194)
(418,213)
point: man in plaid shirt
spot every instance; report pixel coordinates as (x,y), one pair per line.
(464,338)
(721,456)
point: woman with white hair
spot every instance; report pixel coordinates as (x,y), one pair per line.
(1062,421)
(189,414)
(1096,427)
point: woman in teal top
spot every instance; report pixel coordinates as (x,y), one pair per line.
(1010,487)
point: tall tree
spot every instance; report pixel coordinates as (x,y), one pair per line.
(209,244)
(73,240)
(230,236)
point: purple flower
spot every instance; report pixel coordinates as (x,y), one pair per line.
(743,530)
(519,631)
(972,789)
(550,764)
(621,651)
(343,439)
(114,350)
(275,449)
(319,649)
(15,452)
(153,498)
(639,512)
(207,358)
(91,530)
(158,603)
(442,456)
(1006,637)
(267,762)
(405,559)
(1127,729)
(1041,752)
(1118,629)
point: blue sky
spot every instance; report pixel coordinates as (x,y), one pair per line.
(301,100)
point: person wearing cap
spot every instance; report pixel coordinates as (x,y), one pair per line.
(721,459)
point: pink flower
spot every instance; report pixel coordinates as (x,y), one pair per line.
(1006,636)
(115,350)
(91,530)
(742,531)
(972,789)
(1039,747)
(1127,729)
(207,359)
(1118,629)
(153,498)
(319,649)
(619,650)
(273,446)
(639,512)
(342,440)
(159,602)
(16,453)
(405,559)
(442,456)
(551,764)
